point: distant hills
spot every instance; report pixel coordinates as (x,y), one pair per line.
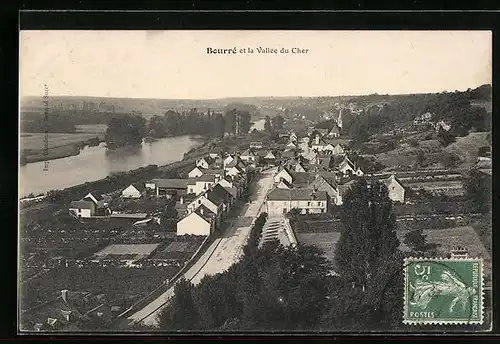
(266,105)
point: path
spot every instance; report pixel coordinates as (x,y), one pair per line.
(221,254)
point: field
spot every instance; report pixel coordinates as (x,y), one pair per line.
(449,238)
(451,188)
(180,249)
(35,141)
(91,128)
(133,252)
(466,147)
(325,241)
(61,145)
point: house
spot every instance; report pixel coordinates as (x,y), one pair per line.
(281,201)
(168,187)
(226,182)
(256,145)
(234,171)
(327,183)
(82,208)
(221,197)
(338,150)
(214,156)
(396,189)
(310,156)
(291,144)
(285,174)
(284,184)
(201,184)
(301,179)
(134,190)
(289,154)
(101,201)
(346,166)
(334,132)
(228,160)
(249,156)
(323,162)
(59,314)
(359,172)
(199,222)
(196,172)
(293,137)
(299,167)
(218,173)
(343,188)
(442,125)
(203,200)
(204,162)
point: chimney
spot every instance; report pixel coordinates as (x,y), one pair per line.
(201,210)
(64,295)
(182,200)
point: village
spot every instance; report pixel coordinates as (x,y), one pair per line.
(161,227)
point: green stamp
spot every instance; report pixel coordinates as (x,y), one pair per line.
(443,291)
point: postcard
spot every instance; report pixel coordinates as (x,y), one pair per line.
(255,181)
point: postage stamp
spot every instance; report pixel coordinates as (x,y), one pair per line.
(443,291)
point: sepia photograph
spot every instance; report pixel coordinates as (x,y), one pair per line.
(181,181)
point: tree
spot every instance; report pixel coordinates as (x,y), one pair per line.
(169,217)
(181,313)
(125,130)
(267,124)
(445,137)
(367,255)
(278,123)
(450,160)
(416,240)
(478,190)
(421,159)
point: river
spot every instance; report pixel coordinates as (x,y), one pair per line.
(94,163)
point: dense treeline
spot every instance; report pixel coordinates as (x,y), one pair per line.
(381,113)
(125,131)
(283,288)
(63,121)
(53,123)
(198,123)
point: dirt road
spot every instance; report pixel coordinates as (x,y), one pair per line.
(221,254)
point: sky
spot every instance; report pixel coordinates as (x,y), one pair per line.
(175,64)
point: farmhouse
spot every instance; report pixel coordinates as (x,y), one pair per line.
(82,208)
(201,184)
(199,222)
(396,189)
(168,187)
(134,190)
(281,201)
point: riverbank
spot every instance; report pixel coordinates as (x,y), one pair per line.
(60,146)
